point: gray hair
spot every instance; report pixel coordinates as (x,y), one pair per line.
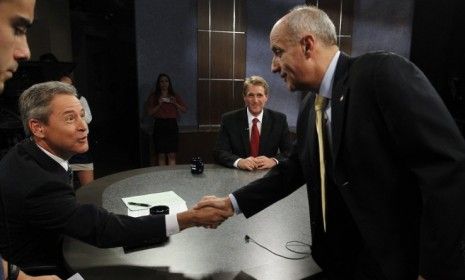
(34,102)
(256,81)
(311,19)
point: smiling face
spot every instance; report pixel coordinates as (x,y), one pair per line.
(15,18)
(65,132)
(255,99)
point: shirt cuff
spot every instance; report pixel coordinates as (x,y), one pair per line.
(236,162)
(172,226)
(235,205)
(277,162)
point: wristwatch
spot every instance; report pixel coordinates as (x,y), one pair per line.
(13,272)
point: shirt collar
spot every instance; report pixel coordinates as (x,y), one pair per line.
(59,160)
(250,117)
(326,86)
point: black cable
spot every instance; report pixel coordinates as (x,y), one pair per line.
(288,245)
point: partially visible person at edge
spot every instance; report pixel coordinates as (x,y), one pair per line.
(386,189)
(164,105)
(82,164)
(15,19)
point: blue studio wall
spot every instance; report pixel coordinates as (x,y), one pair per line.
(166,42)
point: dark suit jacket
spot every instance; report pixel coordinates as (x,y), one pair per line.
(234,141)
(398,161)
(41,207)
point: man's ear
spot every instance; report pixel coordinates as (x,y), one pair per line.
(308,44)
(37,128)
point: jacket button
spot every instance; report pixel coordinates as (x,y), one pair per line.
(345,184)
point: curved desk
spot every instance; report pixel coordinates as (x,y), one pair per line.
(197,253)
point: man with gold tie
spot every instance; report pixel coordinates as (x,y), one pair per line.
(383,160)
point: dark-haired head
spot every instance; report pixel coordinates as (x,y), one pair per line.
(158,87)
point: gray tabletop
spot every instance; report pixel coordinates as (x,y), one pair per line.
(198,253)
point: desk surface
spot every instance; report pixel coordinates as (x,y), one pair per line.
(198,253)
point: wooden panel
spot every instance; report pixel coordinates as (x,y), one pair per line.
(345,44)
(221,100)
(202,54)
(222,59)
(347,17)
(202,14)
(332,8)
(222,15)
(241,19)
(238,97)
(203,103)
(196,143)
(240,55)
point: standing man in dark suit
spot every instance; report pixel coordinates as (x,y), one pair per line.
(236,147)
(40,204)
(393,200)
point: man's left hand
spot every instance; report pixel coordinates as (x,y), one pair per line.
(264,162)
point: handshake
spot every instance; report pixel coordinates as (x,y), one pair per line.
(209,212)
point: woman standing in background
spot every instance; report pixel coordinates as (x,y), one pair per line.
(164,105)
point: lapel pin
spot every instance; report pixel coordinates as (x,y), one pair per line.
(341,98)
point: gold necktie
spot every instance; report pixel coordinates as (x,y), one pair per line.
(320,104)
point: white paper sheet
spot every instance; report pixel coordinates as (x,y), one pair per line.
(169,198)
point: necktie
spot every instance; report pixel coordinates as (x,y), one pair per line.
(320,104)
(254,139)
(70,176)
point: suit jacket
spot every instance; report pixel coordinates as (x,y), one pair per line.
(40,207)
(398,162)
(234,141)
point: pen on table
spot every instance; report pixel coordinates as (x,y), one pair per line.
(139,204)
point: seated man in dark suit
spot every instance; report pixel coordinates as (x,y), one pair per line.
(39,203)
(245,145)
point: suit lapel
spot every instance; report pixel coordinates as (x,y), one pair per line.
(307,122)
(265,131)
(43,159)
(245,131)
(339,99)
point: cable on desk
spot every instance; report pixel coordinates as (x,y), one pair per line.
(289,246)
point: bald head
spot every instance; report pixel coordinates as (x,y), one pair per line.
(303,19)
(304,42)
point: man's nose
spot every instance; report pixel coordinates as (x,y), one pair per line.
(274,65)
(82,124)
(22,52)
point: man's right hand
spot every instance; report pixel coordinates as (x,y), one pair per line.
(206,216)
(222,203)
